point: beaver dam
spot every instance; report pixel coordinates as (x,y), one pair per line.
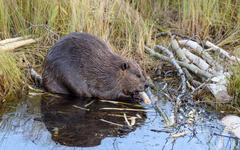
(189,50)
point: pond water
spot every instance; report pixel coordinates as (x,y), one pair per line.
(47,122)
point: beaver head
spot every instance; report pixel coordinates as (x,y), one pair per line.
(133,78)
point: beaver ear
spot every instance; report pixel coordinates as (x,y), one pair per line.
(124,66)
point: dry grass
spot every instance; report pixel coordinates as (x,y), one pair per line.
(114,21)
(11,77)
(234,85)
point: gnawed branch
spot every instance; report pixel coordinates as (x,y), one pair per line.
(200,63)
(222,52)
(13,43)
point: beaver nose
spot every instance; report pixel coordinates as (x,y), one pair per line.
(146,86)
(141,88)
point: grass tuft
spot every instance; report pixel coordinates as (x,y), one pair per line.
(11,77)
(234,85)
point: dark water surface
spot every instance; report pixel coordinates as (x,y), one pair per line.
(44,122)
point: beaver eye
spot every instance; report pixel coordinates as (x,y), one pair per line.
(138,75)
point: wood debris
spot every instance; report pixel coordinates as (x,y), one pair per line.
(191,59)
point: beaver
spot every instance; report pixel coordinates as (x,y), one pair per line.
(80,64)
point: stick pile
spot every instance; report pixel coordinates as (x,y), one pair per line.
(190,58)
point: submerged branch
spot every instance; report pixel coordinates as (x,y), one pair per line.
(112,123)
(126,109)
(82,108)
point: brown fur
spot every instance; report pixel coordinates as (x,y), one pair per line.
(80,64)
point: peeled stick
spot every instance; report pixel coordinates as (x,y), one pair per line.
(145,97)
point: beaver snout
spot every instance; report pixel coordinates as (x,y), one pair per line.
(142,87)
(146,85)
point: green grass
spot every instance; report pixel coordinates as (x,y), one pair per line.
(126,24)
(234,85)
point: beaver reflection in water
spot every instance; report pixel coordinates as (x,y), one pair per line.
(72,126)
(80,64)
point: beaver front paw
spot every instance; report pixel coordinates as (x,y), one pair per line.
(137,97)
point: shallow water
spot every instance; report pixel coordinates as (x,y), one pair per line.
(44,122)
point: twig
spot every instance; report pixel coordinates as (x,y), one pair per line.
(173,33)
(163,130)
(166,119)
(157,55)
(117,102)
(160,34)
(126,120)
(34,93)
(227,136)
(116,115)
(222,52)
(182,76)
(88,104)
(112,123)
(188,75)
(179,69)
(45,27)
(196,83)
(127,109)
(35,89)
(75,106)
(201,86)
(179,134)
(190,86)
